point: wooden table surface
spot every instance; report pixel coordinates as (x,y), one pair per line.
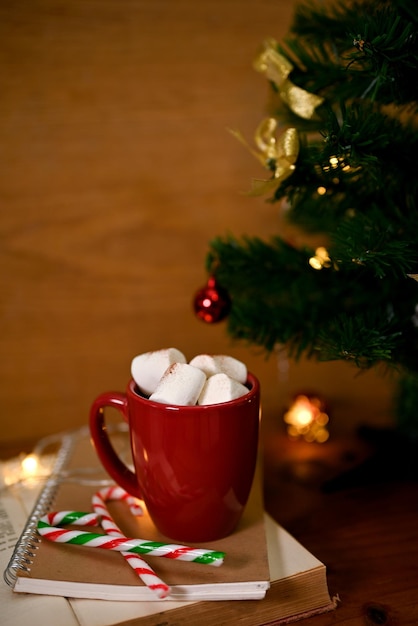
(366,532)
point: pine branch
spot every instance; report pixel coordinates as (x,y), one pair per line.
(370,49)
(364,241)
(366,158)
(277,298)
(363,340)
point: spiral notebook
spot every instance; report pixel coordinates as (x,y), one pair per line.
(252,564)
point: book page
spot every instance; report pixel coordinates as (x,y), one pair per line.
(17,609)
(107,613)
(287,556)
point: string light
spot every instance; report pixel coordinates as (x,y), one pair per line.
(30,465)
(28,469)
(321,259)
(25,469)
(336,162)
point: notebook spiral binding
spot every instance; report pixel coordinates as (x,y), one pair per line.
(26,546)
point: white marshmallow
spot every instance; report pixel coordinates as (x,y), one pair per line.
(221,364)
(221,388)
(148,368)
(232,367)
(206,363)
(181,384)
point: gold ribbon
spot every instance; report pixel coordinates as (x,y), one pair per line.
(278,154)
(277,68)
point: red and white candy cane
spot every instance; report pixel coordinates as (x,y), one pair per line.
(115,540)
(141,567)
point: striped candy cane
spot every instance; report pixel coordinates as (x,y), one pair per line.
(141,567)
(115,540)
(47,528)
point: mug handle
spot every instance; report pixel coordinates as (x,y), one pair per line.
(117,470)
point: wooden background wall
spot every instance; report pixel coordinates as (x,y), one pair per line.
(116,171)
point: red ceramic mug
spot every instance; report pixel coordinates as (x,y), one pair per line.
(193,465)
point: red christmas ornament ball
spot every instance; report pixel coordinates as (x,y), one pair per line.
(212,303)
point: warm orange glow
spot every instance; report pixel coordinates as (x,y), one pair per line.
(321,259)
(30,466)
(306,418)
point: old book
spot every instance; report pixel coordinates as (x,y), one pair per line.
(252,563)
(298,590)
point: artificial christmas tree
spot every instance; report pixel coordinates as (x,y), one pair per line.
(340,145)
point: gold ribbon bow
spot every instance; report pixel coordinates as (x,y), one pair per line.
(278,154)
(277,68)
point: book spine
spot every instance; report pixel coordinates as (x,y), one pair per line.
(26,546)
